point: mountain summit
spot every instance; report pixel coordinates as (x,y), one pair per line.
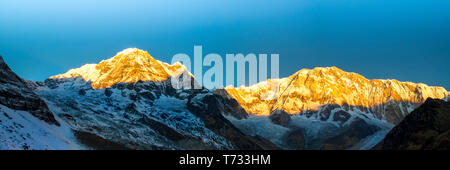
(128,66)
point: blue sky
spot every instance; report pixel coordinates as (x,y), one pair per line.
(408,40)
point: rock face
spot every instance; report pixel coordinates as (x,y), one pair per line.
(314,90)
(280,117)
(16,95)
(208,107)
(231,106)
(426,128)
(354,133)
(296,139)
(98,143)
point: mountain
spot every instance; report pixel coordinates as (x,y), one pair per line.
(328,104)
(312,90)
(128,66)
(26,122)
(129,100)
(426,128)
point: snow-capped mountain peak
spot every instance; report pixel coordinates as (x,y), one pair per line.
(128,66)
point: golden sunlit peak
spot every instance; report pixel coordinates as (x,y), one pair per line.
(320,69)
(133,55)
(129,50)
(327,69)
(128,66)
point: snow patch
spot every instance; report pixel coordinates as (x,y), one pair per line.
(19,130)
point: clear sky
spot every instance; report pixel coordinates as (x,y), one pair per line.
(408,40)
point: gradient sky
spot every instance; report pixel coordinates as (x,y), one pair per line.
(408,40)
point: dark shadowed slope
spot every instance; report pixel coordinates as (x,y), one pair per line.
(426,128)
(15,94)
(25,119)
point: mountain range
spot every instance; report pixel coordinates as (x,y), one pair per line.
(129,102)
